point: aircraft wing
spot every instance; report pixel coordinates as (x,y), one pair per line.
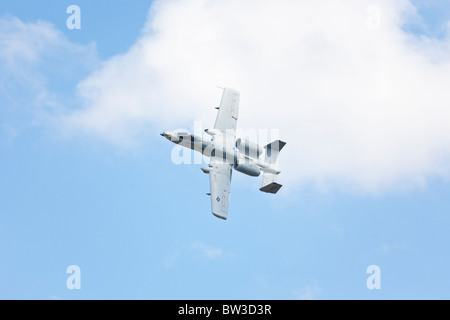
(228,111)
(220,183)
(220,173)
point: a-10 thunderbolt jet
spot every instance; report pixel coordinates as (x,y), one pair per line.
(227,152)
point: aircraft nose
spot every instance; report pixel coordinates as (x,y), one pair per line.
(169,135)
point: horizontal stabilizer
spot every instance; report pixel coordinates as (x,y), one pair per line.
(276,146)
(271,188)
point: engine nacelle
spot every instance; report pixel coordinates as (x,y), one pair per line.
(249,148)
(247,168)
(213,132)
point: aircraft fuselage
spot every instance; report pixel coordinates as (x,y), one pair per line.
(222,147)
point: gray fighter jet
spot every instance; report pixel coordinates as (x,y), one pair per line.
(227,152)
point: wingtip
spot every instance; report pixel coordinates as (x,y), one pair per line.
(220,216)
(271,188)
(282,144)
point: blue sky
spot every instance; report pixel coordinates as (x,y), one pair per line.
(84,185)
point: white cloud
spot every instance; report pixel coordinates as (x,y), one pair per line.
(391,247)
(206,250)
(172,259)
(361,108)
(24,42)
(311,292)
(38,65)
